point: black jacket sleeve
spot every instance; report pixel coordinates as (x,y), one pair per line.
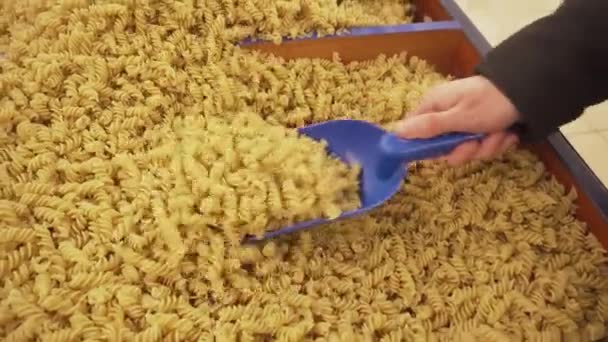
(555,67)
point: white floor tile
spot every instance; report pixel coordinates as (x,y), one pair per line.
(581,125)
(597,116)
(592,148)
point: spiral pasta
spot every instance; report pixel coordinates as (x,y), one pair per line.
(138,145)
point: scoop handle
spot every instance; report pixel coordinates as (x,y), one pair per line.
(417,149)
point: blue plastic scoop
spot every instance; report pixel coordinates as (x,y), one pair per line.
(381,156)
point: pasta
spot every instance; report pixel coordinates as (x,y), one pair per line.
(139,144)
(270,177)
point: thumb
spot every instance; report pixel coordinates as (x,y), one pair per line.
(431,124)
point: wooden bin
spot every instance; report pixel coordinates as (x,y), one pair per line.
(454,46)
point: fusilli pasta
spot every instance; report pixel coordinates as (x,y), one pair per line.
(138,144)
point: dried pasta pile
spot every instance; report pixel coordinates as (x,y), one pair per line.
(247,177)
(296,92)
(240,19)
(134,152)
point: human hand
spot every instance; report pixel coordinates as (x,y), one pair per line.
(471,105)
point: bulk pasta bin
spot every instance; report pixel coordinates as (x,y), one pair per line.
(146,277)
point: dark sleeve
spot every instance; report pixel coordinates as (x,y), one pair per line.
(555,67)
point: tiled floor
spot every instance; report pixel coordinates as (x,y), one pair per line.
(497,19)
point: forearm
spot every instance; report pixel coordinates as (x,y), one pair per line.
(555,67)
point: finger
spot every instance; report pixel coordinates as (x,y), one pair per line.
(463,153)
(509,141)
(437,99)
(490,146)
(428,103)
(429,125)
(425,106)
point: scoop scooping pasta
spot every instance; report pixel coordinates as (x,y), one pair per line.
(381,156)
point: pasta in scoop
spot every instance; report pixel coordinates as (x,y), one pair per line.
(249,177)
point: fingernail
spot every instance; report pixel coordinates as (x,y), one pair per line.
(404,128)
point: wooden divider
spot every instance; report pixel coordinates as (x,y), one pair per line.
(423,44)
